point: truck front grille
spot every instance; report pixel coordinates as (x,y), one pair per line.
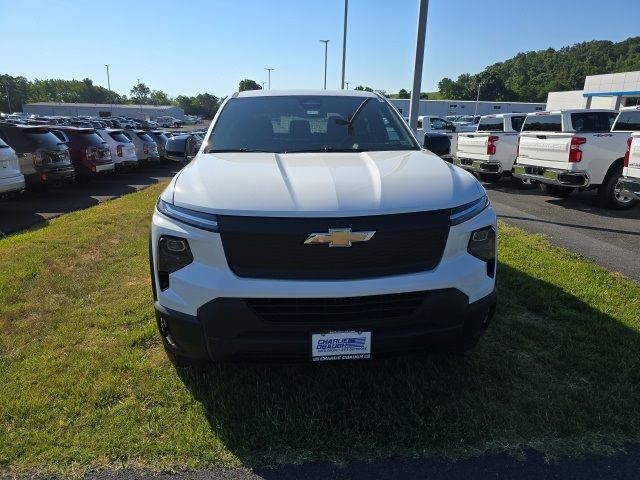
(314,310)
(263,247)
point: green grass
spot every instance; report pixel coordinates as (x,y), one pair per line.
(84,382)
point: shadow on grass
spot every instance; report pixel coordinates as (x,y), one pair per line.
(552,373)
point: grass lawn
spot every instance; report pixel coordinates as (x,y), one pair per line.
(84,382)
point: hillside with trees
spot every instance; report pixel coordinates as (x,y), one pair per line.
(529,76)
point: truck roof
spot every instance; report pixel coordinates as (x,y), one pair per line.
(503,115)
(315,93)
(573,110)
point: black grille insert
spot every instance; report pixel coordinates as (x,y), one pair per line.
(263,247)
(317,310)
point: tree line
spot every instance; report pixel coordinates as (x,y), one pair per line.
(16,91)
(530,76)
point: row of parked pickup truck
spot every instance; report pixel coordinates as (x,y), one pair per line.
(559,151)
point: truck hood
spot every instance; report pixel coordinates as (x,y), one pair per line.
(321,184)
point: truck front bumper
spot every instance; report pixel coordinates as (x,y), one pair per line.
(237,329)
(479,166)
(551,176)
(630,187)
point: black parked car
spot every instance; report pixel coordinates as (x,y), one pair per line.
(44,159)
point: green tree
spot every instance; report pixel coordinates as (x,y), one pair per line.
(158,97)
(140,93)
(363,89)
(403,94)
(248,84)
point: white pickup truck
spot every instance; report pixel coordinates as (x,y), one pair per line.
(491,150)
(630,181)
(569,149)
(433,124)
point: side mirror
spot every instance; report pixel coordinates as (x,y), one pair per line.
(451,127)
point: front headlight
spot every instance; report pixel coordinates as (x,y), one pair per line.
(468,210)
(205,221)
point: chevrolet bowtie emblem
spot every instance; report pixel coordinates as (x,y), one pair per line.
(339,237)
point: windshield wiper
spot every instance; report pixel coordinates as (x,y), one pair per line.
(351,118)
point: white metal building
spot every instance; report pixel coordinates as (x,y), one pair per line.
(612,90)
(465,107)
(142,112)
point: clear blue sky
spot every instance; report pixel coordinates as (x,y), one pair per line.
(193,46)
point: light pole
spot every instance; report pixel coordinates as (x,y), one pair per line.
(477,99)
(269,70)
(347,84)
(326,42)
(414,105)
(263,84)
(344,41)
(110,95)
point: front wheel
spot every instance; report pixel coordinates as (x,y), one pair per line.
(610,192)
(556,190)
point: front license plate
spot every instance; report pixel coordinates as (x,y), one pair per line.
(340,346)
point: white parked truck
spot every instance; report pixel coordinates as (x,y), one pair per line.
(491,150)
(569,149)
(432,124)
(630,181)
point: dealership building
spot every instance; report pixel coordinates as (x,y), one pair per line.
(613,90)
(141,112)
(443,108)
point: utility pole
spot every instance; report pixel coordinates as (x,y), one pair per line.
(326,42)
(414,107)
(344,41)
(269,70)
(477,99)
(110,94)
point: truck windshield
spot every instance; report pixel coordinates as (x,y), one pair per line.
(593,121)
(491,125)
(542,123)
(297,123)
(628,121)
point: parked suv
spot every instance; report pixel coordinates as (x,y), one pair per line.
(146,148)
(11,180)
(44,159)
(160,138)
(312,226)
(90,154)
(123,151)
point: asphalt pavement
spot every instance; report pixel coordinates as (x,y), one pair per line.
(610,238)
(37,208)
